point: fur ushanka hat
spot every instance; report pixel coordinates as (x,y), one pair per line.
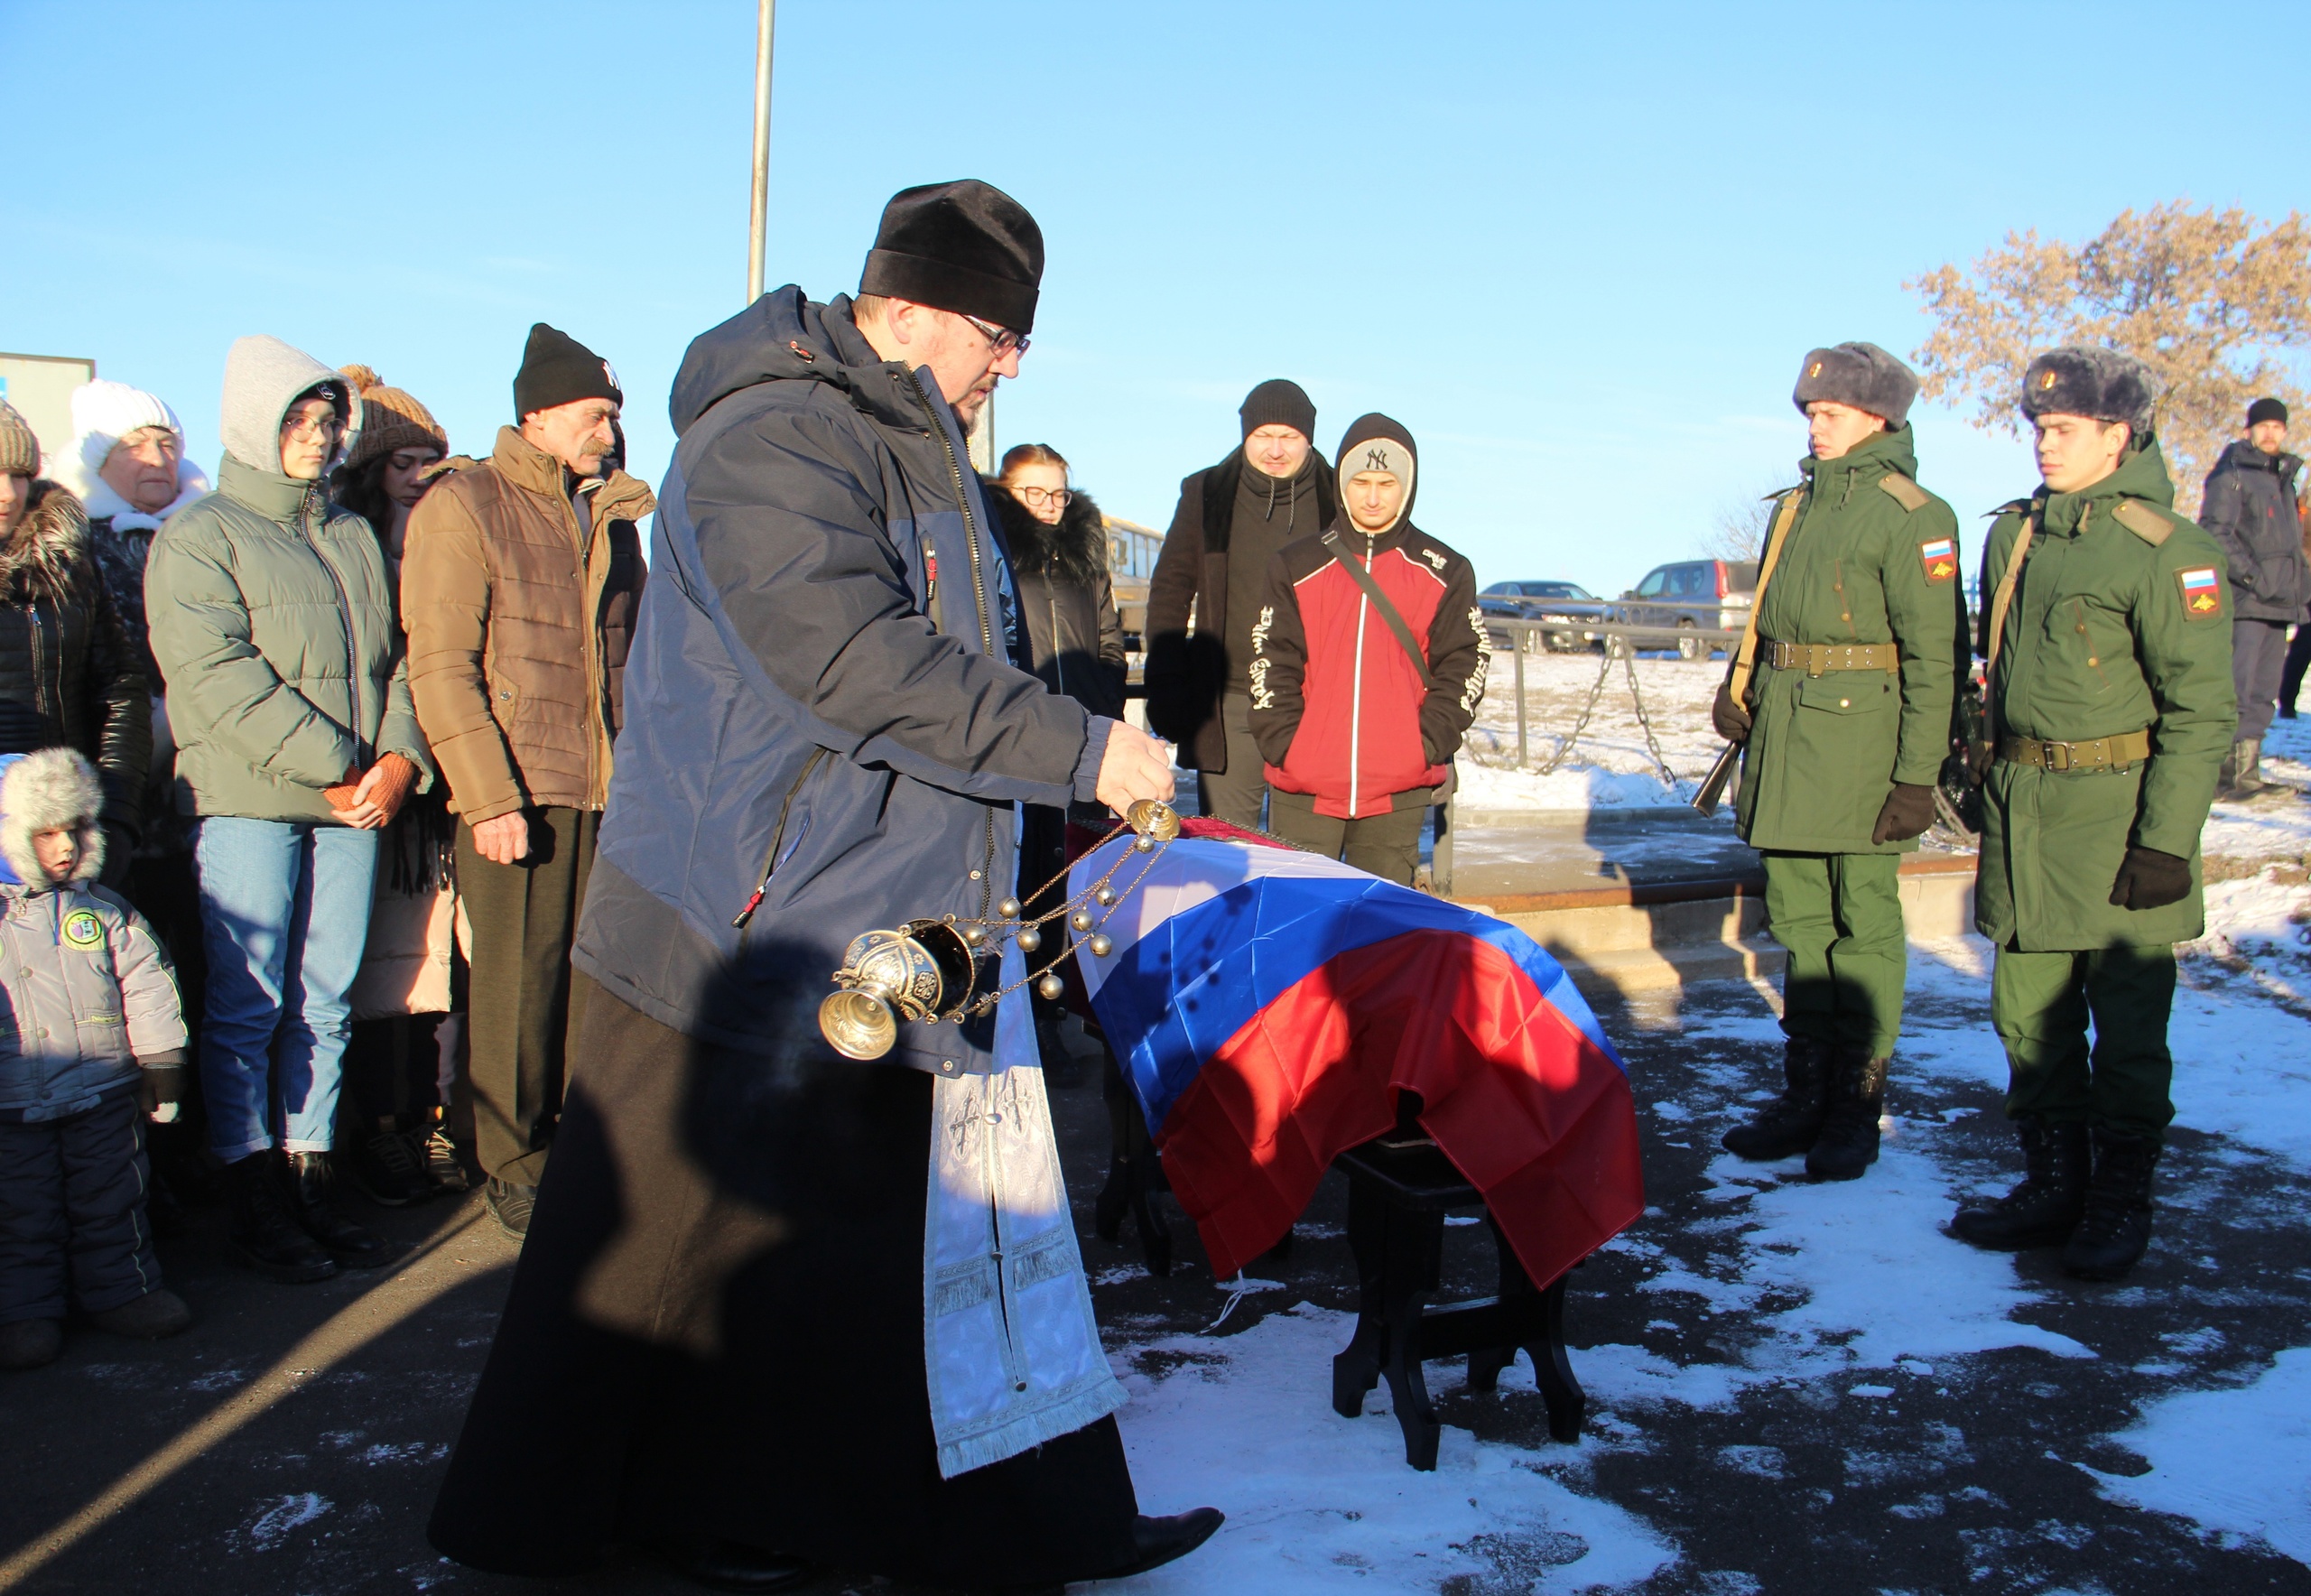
(47,791)
(2102,385)
(1860,375)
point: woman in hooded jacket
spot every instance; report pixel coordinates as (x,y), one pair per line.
(272,622)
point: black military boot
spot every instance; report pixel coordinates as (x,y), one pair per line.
(2045,1208)
(1848,1144)
(305,1183)
(2115,1232)
(264,1234)
(1789,1125)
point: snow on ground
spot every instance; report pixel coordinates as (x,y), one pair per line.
(2237,1461)
(1608,766)
(1317,1502)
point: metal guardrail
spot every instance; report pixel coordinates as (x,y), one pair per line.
(1607,630)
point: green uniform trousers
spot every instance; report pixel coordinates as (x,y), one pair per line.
(1839,915)
(2040,1003)
(523,1014)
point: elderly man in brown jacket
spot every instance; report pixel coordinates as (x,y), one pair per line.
(520,583)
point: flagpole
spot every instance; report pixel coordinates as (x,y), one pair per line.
(757,234)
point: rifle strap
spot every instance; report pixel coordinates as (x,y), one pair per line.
(1745,657)
(2000,604)
(1388,612)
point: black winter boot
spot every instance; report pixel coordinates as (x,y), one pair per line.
(1789,1124)
(1848,1144)
(2115,1232)
(263,1232)
(2045,1208)
(306,1182)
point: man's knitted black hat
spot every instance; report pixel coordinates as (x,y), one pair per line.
(2267,410)
(965,246)
(1860,375)
(1278,403)
(2100,385)
(557,369)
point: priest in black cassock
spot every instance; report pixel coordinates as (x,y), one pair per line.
(778,1309)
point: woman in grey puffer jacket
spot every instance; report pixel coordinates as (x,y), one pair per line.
(288,692)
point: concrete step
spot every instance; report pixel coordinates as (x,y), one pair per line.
(1632,937)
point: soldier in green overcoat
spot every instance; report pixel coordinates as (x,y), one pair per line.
(1846,723)
(2107,625)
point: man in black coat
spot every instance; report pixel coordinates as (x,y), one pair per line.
(760,1319)
(1231,520)
(2250,508)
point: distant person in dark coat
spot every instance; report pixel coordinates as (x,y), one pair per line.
(2249,509)
(1205,595)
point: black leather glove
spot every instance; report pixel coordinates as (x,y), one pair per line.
(161,1087)
(1732,720)
(1908,810)
(2150,879)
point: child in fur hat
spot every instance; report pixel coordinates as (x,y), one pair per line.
(92,1034)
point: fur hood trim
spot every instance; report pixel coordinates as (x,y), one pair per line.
(103,505)
(48,549)
(42,792)
(1076,549)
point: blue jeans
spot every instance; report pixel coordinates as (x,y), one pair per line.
(285,915)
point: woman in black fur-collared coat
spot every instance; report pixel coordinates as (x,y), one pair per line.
(1070,635)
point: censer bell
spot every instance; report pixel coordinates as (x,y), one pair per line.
(920,971)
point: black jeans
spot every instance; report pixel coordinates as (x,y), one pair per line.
(1388,844)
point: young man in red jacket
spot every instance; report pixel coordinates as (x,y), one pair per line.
(1368,666)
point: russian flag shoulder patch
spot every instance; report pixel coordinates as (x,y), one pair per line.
(1940,557)
(2201,592)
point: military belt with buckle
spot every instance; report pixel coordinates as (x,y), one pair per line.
(2104,753)
(1816,659)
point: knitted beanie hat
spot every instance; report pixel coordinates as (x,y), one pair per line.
(1278,401)
(19,449)
(557,369)
(105,412)
(2267,410)
(391,419)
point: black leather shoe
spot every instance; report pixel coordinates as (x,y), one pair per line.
(1157,1541)
(510,1206)
(306,1179)
(2045,1208)
(732,1566)
(1848,1144)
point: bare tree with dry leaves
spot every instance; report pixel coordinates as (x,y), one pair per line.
(2218,302)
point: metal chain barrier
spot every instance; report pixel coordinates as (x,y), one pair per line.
(1644,723)
(1596,690)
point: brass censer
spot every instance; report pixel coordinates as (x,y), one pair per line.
(934,969)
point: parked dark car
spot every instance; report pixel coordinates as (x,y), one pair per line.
(1569,603)
(1674,601)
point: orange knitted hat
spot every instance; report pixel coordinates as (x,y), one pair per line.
(391,419)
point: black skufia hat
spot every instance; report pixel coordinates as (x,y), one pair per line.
(557,369)
(965,246)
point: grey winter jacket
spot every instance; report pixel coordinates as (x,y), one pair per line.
(86,990)
(2249,509)
(816,742)
(273,621)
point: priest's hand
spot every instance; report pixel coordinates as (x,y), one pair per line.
(1134,766)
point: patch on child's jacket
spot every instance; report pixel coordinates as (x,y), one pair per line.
(82,929)
(1940,558)
(2202,593)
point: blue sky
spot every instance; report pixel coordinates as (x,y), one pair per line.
(1578,250)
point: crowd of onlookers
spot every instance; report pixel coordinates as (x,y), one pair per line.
(289,766)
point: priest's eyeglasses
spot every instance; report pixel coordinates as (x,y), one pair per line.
(1001,340)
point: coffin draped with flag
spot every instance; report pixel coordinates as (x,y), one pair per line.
(1268,1006)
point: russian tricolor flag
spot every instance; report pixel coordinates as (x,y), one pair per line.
(1268,1006)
